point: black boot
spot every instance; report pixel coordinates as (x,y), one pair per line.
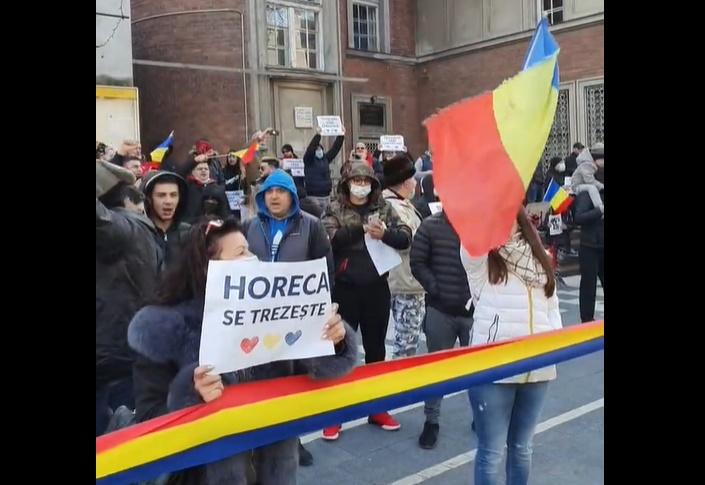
(429,436)
(305,456)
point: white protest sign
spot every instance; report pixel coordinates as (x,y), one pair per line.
(235,198)
(296,165)
(555,224)
(258,312)
(567,185)
(435,207)
(330,125)
(391,143)
(303,117)
(384,257)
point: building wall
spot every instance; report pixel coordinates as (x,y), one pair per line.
(450,79)
(193,103)
(387,77)
(447,24)
(436,56)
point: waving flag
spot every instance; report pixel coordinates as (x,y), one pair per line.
(558,198)
(486,148)
(247,154)
(159,153)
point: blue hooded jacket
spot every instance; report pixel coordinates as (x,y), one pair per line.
(303,237)
(277,228)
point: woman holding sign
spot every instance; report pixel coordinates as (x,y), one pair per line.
(361,214)
(167,377)
(514,292)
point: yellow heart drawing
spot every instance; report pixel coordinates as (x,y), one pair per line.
(271,341)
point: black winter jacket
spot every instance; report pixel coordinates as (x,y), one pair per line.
(435,263)
(127,265)
(317,170)
(589,217)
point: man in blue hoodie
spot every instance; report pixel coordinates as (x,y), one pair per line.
(283,232)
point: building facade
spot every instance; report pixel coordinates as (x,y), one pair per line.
(222,69)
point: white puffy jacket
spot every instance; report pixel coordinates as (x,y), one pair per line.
(508,311)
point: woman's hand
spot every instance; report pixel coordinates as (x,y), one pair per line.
(210,388)
(334,330)
(376,229)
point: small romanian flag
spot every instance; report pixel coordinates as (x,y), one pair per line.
(247,154)
(558,197)
(159,153)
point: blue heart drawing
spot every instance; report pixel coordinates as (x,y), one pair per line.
(292,337)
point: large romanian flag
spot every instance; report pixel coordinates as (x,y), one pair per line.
(485,149)
(159,153)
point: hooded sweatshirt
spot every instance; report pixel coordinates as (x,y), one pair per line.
(173,240)
(277,227)
(585,173)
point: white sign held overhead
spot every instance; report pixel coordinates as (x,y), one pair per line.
(330,125)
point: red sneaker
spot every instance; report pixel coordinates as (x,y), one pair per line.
(384,421)
(332,433)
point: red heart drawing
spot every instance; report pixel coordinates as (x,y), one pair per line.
(248,344)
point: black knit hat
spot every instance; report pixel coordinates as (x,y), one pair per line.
(398,169)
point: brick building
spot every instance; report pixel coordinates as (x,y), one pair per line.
(223,68)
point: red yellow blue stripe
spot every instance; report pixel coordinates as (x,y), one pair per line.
(258,413)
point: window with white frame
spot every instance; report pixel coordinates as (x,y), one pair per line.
(365,26)
(554,10)
(293,34)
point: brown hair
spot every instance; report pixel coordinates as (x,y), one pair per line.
(186,278)
(497,266)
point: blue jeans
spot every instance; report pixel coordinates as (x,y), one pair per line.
(110,397)
(505,413)
(442,330)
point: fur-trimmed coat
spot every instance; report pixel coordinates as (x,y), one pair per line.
(167,341)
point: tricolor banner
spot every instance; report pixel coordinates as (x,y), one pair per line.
(254,414)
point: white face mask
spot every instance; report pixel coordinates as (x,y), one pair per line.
(360,191)
(319,153)
(560,167)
